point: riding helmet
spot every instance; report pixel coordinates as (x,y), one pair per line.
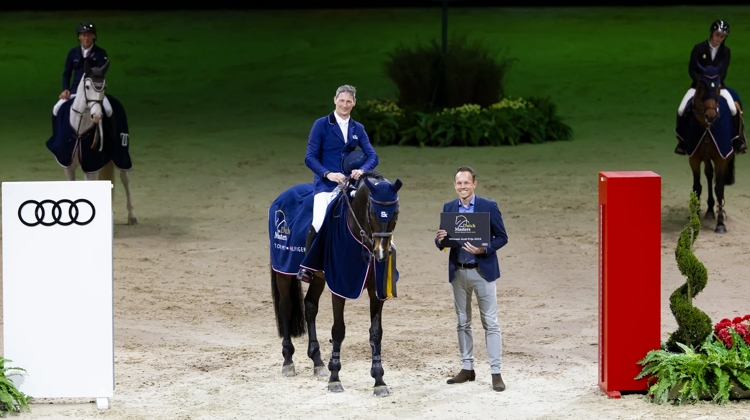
(86,27)
(353,161)
(721,26)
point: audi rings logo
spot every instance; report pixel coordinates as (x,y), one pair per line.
(62,212)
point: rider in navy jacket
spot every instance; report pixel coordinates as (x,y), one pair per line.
(96,55)
(713,52)
(332,139)
(326,150)
(86,51)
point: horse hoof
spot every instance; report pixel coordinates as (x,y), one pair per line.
(710,215)
(320,371)
(288,370)
(132,221)
(382,391)
(721,229)
(335,387)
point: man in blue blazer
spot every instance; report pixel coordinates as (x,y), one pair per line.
(86,51)
(332,139)
(474,270)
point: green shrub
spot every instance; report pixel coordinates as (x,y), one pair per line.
(693,324)
(470,73)
(509,121)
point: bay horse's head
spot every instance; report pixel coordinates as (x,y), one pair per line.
(707,93)
(375,211)
(94,89)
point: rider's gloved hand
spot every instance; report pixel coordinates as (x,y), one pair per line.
(65,95)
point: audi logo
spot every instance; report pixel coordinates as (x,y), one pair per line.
(50,212)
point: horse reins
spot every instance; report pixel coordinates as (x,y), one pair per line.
(362,233)
(88,101)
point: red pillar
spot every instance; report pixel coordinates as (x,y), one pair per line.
(629,276)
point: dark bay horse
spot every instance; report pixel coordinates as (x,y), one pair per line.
(713,133)
(357,253)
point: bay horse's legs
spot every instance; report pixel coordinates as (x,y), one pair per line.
(695,166)
(284,313)
(125,178)
(338,331)
(376,335)
(721,171)
(710,182)
(312,299)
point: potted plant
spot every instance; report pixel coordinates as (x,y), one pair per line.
(698,361)
(13,400)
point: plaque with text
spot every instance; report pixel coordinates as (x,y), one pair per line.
(466,227)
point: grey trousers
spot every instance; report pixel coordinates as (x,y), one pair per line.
(464,284)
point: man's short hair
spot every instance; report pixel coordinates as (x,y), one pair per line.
(468,169)
(346,89)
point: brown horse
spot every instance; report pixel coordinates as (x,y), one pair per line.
(706,111)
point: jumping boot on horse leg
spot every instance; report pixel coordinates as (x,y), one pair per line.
(377,371)
(304,274)
(334,366)
(288,351)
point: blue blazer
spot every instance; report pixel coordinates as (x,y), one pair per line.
(488,262)
(74,65)
(326,150)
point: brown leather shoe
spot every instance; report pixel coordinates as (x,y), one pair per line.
(463,376)
(497,382)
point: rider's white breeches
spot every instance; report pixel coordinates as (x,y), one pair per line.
(320,204)
(107,105)
(724,93)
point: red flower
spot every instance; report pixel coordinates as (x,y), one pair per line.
(737,320)
(746,317)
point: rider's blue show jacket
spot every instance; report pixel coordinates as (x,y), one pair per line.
(74,65)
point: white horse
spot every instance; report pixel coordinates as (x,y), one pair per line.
(85,113)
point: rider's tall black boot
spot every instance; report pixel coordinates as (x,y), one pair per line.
(679,150)
(304,274)
(741,144)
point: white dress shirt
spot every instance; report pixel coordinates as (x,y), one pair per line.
(343,125)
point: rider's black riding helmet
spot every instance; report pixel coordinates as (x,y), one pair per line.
(86,27)
(721,26)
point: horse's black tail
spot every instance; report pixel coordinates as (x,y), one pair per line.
(729,175)
(295,300)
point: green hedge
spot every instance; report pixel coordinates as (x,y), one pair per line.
(508,122)
(470,72)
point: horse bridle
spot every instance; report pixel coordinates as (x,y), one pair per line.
(99,87)
(383,225)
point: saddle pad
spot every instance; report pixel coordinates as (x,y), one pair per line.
(346,261)
(289,219)
(722,132)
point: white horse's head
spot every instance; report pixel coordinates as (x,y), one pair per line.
(93,86)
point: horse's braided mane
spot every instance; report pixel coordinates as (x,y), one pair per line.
(373,174)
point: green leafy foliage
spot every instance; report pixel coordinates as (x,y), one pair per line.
(713,371)
(693,324)
(12,399)
(470,73)
(507,122)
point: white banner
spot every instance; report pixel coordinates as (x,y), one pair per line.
(58,287)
